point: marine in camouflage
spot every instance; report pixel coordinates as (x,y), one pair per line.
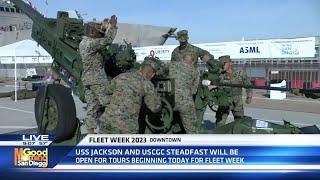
(186,81)
(92,60)
(93,76)
(234,95)
(186,48)
(128,92)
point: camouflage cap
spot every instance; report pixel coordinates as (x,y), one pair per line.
(224,59)
(97,26)
(182,32)
(154,62)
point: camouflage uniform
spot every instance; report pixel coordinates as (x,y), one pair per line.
(93,76)
(195,52)
(186,80)
(129,91)
(234,97)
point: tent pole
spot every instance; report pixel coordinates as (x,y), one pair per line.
(15,78)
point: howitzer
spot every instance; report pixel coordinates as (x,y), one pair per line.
(169,122)
(217,96)
(61,38)
(55,111)
(54,106)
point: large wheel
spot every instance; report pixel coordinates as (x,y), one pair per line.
(165,118)
(59,113)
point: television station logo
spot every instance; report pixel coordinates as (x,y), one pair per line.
(35,140)
(32,155)
(28,157)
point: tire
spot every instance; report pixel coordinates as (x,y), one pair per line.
(63,122)
(163,119)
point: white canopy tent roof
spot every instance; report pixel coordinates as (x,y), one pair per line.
(26,51)
(23,48)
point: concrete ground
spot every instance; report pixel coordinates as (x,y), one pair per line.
(15,116)
(300,111)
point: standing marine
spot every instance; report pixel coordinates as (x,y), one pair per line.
(235,103)
(186,48)
(93,76)
(186,81)
(129,91)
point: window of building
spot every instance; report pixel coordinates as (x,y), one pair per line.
(12,10)
(1,8)
(7,9)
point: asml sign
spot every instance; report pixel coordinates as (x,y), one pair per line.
(273,48)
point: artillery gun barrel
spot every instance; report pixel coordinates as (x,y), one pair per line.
(303,91)
(265,87)
(252,87)
(60,37)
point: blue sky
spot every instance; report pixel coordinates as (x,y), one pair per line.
(206,20)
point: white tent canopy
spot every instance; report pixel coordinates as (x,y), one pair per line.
(23,48)
(26,51)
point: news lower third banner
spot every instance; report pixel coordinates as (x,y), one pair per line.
(162,153)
